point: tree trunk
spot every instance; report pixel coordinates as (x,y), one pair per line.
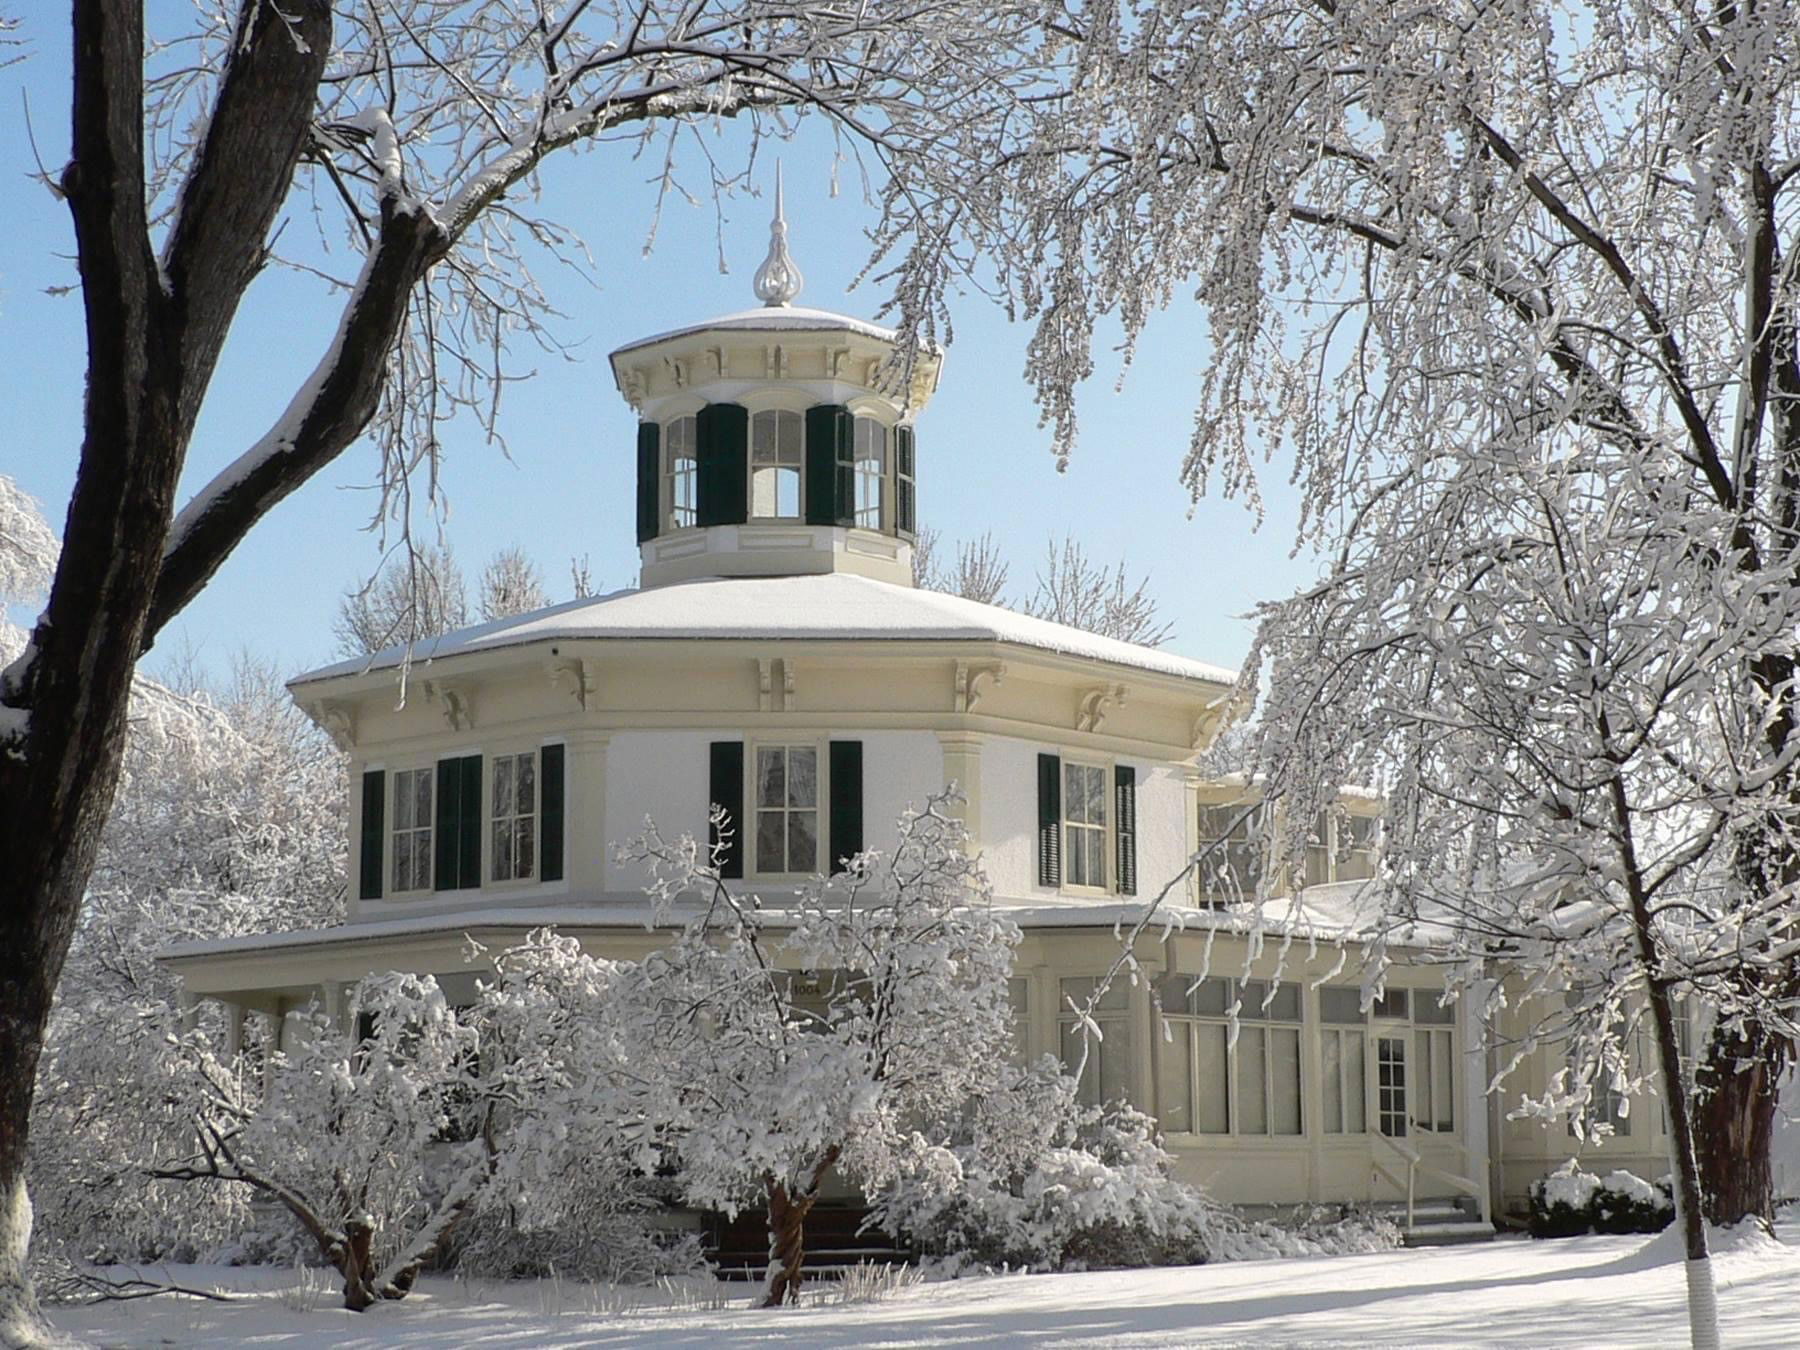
(1737,1090)
(357,1265)
(787,1243)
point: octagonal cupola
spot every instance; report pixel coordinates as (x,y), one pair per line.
(775,441)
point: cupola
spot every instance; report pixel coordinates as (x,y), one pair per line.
(776,441)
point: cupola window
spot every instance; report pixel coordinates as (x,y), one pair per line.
(777,455)
(680,473)
(871,472)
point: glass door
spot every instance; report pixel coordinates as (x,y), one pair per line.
(1390,1085)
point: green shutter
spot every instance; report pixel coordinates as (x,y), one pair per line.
(722,464)
(830,445)
(649,481)
(846,828)
(1049,820)
(1125,827)
(445,869)
(374,800)
(906,506)
(456,843)
(726,789)
(550,813)
(472,824)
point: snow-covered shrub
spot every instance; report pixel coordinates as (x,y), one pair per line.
(601,1228)
(376,1134)
(1034,1178)
(1308,1230)
(1570,1202)
(779,1048)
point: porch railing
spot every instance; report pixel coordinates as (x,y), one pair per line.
(1414,1164)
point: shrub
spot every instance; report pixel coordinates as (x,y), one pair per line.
(1570,1202)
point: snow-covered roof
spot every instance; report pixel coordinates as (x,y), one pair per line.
(771,319)
(833,606)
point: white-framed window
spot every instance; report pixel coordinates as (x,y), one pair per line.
(777,457)
(1206,1083)
(1415,1063)
(680,474)
(513,811)
(414,805)
(1084,825)
(1233,869)
(1343,1053)
(1106,1074)
(1341,847)
(786,781)
(871,472)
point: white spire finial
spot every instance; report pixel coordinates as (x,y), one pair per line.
(778,280)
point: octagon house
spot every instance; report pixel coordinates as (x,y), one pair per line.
(777,659)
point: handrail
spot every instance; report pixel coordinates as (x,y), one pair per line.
(1416,1164)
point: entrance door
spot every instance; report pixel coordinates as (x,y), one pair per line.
(1390,1085)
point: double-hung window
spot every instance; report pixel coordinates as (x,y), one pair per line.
(1231,841)
(681,477)
(871,472)
(777,460)
(787,809)
(1343,1052)
(1106,1072)
(412,828)
(1209,1082)
(1435,1068)
(515,813)
(1084,825)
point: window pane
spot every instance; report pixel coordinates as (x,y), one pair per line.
(1284,1080)
(1285,1007)
(1355,1083)
(503,785)
(1393,1003)
(527,785)
(771,777)
(771,856)
(1172,993)
(803,841)
(1253,1109)
(526,855)
(789,430)
(1079,988)
(1115,1061)
(422,785)
(762,438)
(1175,1076)
(1340,1004)
(1427,1009)
(1212,997)
(1250,998)
(1088,1088)
(787,492)
(503,850)
(1331,1053)
(803,777)
(403,862)
(1211,1115)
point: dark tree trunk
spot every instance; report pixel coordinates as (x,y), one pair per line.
(787,1243)
(1736,1092)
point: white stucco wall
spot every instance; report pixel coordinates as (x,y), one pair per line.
(1009,817)
(664,774)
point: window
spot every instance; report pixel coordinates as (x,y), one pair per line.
(412,829)
(1206,1084)
(1084,825)
(515,800)
(1340,847)
(1234,868)
(1106,1076)
(871,472)
(1018,998)
(787,809)
(680,474)
(1343,1054)
(777,453)
(1415,1076)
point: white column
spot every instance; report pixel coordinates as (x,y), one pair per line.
(962,766)
(584,812)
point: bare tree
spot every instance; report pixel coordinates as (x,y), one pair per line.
(978,572)
(1074,590)
(417,595)
(581,578)
(425,123)
(511,584)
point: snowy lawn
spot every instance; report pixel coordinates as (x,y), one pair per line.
(1578,1292)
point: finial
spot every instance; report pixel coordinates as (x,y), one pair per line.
(778,280)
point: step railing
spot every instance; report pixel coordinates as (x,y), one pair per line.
(1415,1165)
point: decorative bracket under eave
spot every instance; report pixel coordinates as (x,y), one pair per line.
(765,684)
(459,710)
(1096,704)
(972,681)
(637,385)
(775,361)
(572,674)
(339,721)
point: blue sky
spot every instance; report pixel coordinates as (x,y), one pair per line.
(566,489)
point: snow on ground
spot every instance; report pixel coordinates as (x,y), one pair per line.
(1587,1292)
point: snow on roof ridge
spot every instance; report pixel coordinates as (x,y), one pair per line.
(830,606)
(768,317)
